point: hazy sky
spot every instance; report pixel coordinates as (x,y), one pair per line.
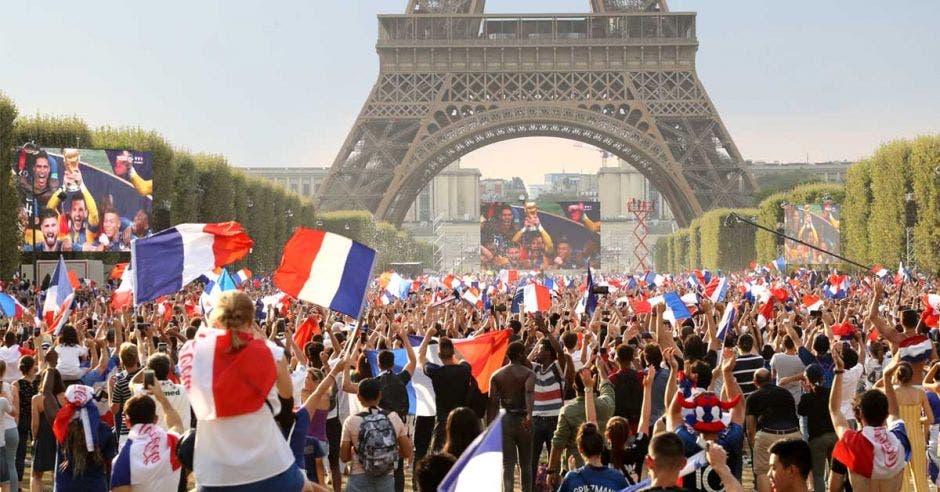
(280,83)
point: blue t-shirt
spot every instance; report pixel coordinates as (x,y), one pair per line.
(824,361)
(94,478)
(591,479)
(732,439)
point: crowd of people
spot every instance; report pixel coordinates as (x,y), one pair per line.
(812,393)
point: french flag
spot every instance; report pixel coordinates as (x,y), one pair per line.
(472,296)
(780,265)
(838,286)
(726,325)
(536,298)
(10,307)
(716,289)
(123,296)
(812,303)
(653,278)
(222,382)
(915,349)
(165,262)
(473,470)
(766,313)
(241,276)
(880,271)
(58,303)
(326,269)
(875,452)
(931,314)
(675,306)
(148,457)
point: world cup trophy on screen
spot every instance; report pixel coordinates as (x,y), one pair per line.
(71,157)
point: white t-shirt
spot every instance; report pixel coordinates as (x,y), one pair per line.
(69,365)
(178,398)
(8,421)
(242,449)
(145,460)
(297,379)
(11,355)
(6,406)
(849,389)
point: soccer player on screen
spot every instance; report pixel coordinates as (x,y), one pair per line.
(49,226)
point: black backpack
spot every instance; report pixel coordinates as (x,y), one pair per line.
(628,399)
(394,395)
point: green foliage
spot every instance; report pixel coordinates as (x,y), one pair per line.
(727,247)
(925,159)
(661,254)
(52,131)
(680,250)
(856,210)
(695,243)
(10,235)
(769,214)
(147,141)
(889,178)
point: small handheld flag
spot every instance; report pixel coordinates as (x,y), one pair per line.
(58,303)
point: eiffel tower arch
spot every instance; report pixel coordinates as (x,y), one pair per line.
(453,78)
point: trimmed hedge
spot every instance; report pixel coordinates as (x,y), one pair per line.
(769,214)
(10,233)
(889,183)
(855,212)
(925,159)
(680,250)
(727,247)
(661,254)
(695,243)
(52,131)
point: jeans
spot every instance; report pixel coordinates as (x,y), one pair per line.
(12,437)
(820,449)
(517,447)
(440,434)
(424,430)
(543,428)
(289,480)
(365,483)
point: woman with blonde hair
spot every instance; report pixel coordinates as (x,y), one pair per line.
(234,378)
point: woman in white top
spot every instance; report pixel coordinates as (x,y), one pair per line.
(11,435)
(10,353)
(234,379)
(71,353)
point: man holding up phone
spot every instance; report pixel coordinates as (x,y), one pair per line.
(158,368)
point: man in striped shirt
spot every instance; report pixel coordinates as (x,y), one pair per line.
(549,395)
(747,364)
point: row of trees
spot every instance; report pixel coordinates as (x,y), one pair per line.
(191,187)
(897,187)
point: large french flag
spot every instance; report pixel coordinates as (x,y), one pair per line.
(326,269)
(165,262)
(875,452)
(485,354)
(931,313)
(536,298)
(58,303)
(473,470)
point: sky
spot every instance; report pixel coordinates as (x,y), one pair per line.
(280,83)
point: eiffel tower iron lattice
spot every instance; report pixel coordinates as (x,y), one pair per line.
(453,79)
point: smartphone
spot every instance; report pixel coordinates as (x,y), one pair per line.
(149,378)
(161,347)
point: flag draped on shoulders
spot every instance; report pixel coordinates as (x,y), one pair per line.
(222,382)
(165,262)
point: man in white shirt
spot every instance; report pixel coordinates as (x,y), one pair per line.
(176,394)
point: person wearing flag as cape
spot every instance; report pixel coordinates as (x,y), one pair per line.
(876,455)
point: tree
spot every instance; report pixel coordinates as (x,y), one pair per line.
(889,183)
(925,177)
(10,233)
(856,211)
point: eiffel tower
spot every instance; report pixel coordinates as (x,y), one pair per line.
(453,78)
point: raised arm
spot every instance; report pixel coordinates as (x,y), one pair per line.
(874,316)
(646,411)
(590,409)
(839,422)
(409,350)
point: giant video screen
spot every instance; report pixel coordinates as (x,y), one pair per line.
(526,238)
(813,224)
(83,200)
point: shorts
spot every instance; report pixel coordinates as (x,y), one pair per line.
(289,480)
(762,443)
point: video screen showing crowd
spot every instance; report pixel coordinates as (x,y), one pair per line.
(526,238)
(83,200)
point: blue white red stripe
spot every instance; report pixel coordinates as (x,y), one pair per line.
(915,349)
(10,307)
(165,262)
(58,302)
(536,298)
(875,452)
(326,269)
(473,470)
(716,289)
